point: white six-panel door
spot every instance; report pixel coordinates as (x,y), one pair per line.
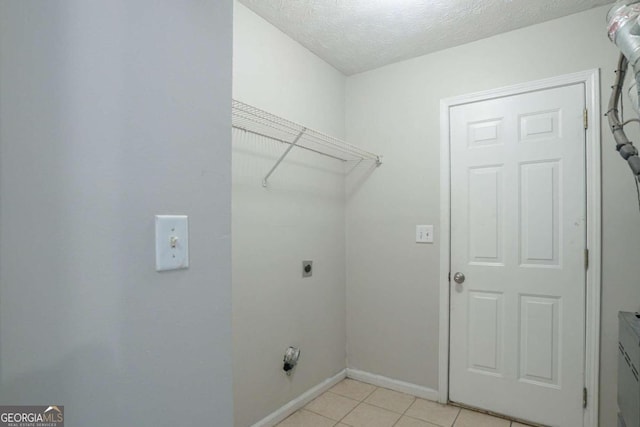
(518,203)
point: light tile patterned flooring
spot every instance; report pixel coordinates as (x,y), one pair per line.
(352,403)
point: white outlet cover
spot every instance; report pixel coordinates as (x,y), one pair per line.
(424,233)
(172,242)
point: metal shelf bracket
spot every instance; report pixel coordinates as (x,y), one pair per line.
(293,144)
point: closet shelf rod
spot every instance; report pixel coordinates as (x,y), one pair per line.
(244,129)
(260,122)
(295,141)
(253,120)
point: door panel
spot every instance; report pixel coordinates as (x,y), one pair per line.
(539,213)
(518,233)
(485,332)
(539,339)
(485,221)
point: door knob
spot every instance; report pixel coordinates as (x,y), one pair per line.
(458,277)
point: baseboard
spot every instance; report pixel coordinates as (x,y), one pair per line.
(377,380)
(300,401)
(401,386)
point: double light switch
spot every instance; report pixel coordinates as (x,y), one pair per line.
(424,233)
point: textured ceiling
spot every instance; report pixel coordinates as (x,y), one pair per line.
(360,35)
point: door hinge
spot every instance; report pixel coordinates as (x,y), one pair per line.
(585,118)
(449,277)
(586,259)
(584,397)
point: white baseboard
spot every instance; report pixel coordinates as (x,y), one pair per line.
(377,380)
(300,401)
(401,386)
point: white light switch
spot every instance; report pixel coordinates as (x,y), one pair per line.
(172,242)
(424,233)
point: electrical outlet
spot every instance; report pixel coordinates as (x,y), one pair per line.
(307,268)
(424,233)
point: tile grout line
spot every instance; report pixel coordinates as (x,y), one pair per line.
(387,409)
(359,403)
(428,422)
(305,408)
(345,397)
(405,411)
(376,388)
(456,418)
(402,414)
(415,398)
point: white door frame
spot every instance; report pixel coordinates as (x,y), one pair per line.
(591,80)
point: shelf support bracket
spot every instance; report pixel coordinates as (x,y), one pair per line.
(295,141)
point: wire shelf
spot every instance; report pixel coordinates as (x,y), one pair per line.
(254,120)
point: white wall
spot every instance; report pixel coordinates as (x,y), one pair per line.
(392,283)
(299,216)
(112,112)
(277,74)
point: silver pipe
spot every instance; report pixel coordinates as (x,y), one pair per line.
(624,146)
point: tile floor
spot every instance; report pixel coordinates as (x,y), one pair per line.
(352,403)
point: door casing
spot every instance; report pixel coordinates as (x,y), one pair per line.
(590,79)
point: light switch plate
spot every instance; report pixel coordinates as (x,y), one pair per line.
(172,242)
(424,233)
